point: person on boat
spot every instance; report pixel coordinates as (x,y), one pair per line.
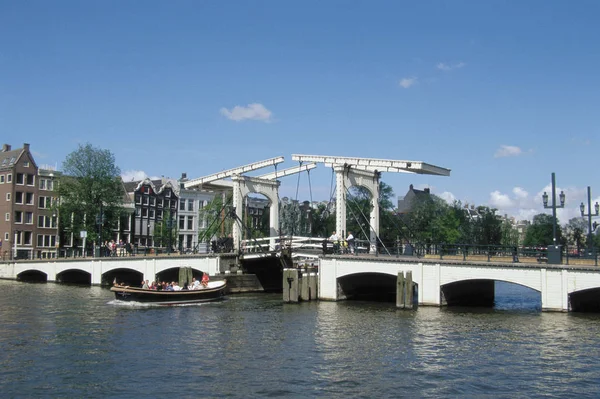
(145,284)
(159,286)
(195,284)
(176,286)
(169,287)
(205,280)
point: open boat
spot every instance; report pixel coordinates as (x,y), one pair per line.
(214,291)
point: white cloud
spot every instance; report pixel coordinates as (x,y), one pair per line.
(254,111)
(408,82)
(520,193)
(448,67)
(508,151)
(135,175)
(500,201)
(448,197)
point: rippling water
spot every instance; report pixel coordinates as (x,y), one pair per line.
(66,341)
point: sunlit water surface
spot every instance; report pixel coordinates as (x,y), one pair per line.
(67,341)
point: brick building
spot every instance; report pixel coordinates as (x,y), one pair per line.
(28,223)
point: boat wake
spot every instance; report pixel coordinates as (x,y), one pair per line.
(134,304)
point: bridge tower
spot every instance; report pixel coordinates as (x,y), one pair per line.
(366,172)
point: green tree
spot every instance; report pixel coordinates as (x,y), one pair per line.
(575,233)
(91,192)
(166,232)
(218,219)
(539,233)
(488,227)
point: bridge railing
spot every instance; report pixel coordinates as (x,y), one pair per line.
(499,253)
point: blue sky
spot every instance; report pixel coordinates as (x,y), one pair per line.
(502,92)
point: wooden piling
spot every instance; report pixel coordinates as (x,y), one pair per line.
(313,283)
(304,290)
(400,291)
(290,285)
(408,289)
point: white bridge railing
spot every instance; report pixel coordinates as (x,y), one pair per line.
(294,243)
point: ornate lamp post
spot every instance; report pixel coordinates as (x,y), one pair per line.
(555,251)
(589,216)
(100,219)
(169,223)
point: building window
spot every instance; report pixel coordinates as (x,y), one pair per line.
(28,217)
(7,217)
(19,197)
(2,179)
(190,205)
(26,164)
(138,199)
(30,179)
(159,214)
(29,198)
(46,184)
(190,223)
(47,222)
(151,213)
(20,178)
(182,205)
(159,202)
(18,217)
(5,236)
(181,222)
(152,201)
(46,240)
(44,202)
(8,196)
(144,212)
(9,178)
(27,238)
(145,201)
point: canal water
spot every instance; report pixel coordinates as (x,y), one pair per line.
(69,341)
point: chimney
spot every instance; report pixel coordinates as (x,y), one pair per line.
(426,190)
(410,187)
(184,176)
(6,147)
(26,146)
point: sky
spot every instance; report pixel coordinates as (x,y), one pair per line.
(503,93)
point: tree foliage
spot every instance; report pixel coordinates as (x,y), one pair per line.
(217,217)
(166,232)
(539,233)
(91,192)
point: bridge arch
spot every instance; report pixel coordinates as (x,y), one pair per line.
(74,276)
(372,286)
(32,275)
(586,300)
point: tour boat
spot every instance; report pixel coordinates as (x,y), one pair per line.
(215,290)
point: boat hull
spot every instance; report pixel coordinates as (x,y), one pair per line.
(214,292)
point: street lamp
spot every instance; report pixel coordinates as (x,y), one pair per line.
(100,219)
(170,231)
(554,252)
(589,216)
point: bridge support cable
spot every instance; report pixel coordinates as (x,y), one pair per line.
(371,227)
(219,218)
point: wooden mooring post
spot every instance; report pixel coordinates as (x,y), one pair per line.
(404,290)
(290,285)
(300,284)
